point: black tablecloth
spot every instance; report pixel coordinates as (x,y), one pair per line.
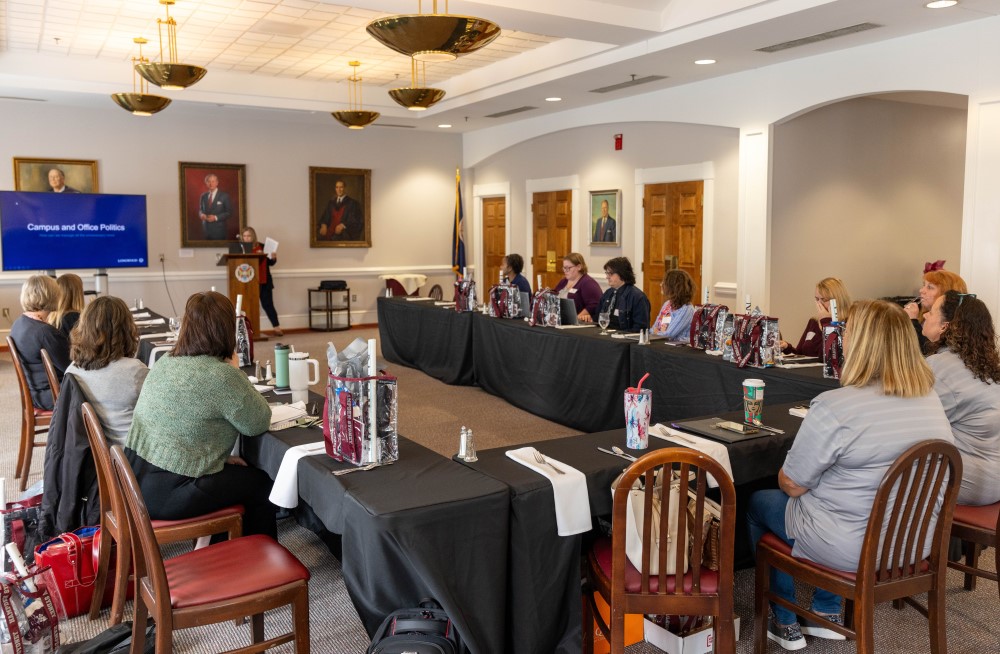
(543,586)
(571,376)
(433,339)
(688,383)
(146,345)
(424,526)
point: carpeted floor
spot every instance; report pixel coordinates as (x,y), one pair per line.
(432,413)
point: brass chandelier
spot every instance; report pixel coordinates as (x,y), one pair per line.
(417,98)
(139,101)
(433,37)
(169,73)
(355,117)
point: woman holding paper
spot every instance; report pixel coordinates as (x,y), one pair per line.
(851,437)
(249,235)
(580,287)
(193,407)
(811,341)
(967,379)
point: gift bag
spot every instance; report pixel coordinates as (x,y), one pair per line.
(634,525)
(20,526)
(545,309)
(30,620)
(706,324)
(73,558)
(505,301)
(833,350)
(465,295)
(755,340)
(359,424)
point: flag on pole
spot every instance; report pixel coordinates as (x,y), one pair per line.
(458,230)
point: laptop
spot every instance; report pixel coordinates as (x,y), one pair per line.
(240,247)
(567,311)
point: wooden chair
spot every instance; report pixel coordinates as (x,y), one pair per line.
(700,591)
(218,583)
(436,292)
(34,421)
(50,372)
(890,567)
(978,527)
(114,524)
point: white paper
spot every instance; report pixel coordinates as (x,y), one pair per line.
(270,246)
(150,323)
(285,412)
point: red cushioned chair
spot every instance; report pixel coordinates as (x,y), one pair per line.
(977,526)
(114,523)
(700,591)
(34,421)
(233,579)
(395,287)
(886,570)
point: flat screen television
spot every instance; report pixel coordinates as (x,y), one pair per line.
(66,231)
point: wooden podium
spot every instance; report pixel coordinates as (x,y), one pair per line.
(244,279)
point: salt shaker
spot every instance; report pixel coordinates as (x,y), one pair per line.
(463,443)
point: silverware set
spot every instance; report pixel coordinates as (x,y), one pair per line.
(617,451)
(541,460)
(370,466)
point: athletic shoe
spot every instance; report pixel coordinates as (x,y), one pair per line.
(819,631)
(788,636)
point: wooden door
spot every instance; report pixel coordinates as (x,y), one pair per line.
(552,224)
(494,239)
(672,217)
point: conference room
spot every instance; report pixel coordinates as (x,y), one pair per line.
(860,157)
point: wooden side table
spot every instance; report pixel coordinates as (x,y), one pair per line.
(328,308)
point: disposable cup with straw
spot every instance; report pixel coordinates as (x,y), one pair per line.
(638,407)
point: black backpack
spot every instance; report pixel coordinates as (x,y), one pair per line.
(424,630)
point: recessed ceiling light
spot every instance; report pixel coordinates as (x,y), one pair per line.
(553,99)
(445,126)
(704,62)
(941,4)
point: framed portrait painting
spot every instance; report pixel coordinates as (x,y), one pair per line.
(605,217)
(340,202)
(55,175)
(213,203)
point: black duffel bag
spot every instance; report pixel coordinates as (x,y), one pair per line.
(333,285)
(424,630)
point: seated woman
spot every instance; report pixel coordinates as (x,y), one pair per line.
(937,282)
(194,405)
(811,341)
(674,320)
(103,346)
(32,334)
(580,287)
(627,305)
(70,303)
(511,267)
(849,439)
(967,379)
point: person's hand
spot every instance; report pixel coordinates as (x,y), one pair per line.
(236,461)
(339,229)
(821,310)
(202,217)
(912,310)
(322,230)
(783,344)
(584,316)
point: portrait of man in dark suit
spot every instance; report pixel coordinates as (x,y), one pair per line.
(55,175)
(604,206)
(214,210)
(341,220)
(57,182)
(213,204)
(340,207)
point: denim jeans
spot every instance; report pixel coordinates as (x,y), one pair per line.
(767,513)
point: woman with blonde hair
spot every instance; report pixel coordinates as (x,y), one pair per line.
(811,341)
(937,282)
(70,303)
(32,333)
(848,440)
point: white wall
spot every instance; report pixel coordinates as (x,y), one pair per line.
(413,193)
(865,190)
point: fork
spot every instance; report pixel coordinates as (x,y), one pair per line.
(347,471)
(539,458)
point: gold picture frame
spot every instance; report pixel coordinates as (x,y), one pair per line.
(78,175)
(215,226)
(609,231)
(346,223)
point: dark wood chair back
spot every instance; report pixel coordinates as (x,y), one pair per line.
(33,421)
(112,501)
(50,372)
(977,527)
(27,406)
(436,292)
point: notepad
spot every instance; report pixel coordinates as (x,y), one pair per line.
(284,416)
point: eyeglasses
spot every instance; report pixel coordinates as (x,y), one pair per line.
(962,296)
(568,268)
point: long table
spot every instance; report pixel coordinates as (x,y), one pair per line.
(424,526)
(543,584)
(433,339)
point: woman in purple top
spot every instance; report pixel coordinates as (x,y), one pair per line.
(579,287)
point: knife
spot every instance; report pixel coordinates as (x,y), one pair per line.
(620,456)
(765,428)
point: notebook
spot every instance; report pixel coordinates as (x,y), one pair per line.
(706,427)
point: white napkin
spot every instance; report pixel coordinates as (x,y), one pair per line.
(149,323)
(418,299)
(572,503)
(801,365)
(144,314)
(285,492)
(576,326)
(163,335)
(443,304)
(714,449)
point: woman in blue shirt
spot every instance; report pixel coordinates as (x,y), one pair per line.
(674,320)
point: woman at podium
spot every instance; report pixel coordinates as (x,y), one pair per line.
(250,245)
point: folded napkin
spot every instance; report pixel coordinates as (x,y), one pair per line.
(577,326)
(572,503)
(438,303)
(161,335)
(143,314)
(418,299)
(714,449)
(801,365)
(285,492)
(149,323)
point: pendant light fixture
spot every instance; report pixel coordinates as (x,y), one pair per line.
(417,98)
(168,73)
(139,102)
(355,117)
(433,37)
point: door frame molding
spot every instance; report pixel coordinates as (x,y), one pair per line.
(704,172)
(480,191)
(532,186)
